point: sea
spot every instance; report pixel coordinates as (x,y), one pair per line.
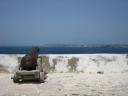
(86,58)
(68,49)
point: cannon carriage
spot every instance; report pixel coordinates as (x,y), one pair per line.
(29,69)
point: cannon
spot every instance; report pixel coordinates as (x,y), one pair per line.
(29,69)
(29,61)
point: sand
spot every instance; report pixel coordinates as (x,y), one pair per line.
(68,84)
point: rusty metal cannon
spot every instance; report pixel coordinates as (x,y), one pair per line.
(29,61)
(29,69)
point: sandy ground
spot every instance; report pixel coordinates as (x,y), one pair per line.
(68,84)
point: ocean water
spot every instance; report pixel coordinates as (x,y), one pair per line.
(66,50)
(70,59)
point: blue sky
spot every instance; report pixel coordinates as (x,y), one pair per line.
(39,22)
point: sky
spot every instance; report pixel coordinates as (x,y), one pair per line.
(39,22)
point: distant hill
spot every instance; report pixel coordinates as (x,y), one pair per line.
(87,45)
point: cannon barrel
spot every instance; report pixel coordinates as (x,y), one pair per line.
(33,52)
(29,61)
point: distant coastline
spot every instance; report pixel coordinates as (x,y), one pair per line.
(76,45)
(87,45)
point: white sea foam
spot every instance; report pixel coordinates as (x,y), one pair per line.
(86,62)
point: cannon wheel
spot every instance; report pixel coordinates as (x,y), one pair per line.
(15,80)
(42,77)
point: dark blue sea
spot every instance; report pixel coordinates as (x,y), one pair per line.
(66,50)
